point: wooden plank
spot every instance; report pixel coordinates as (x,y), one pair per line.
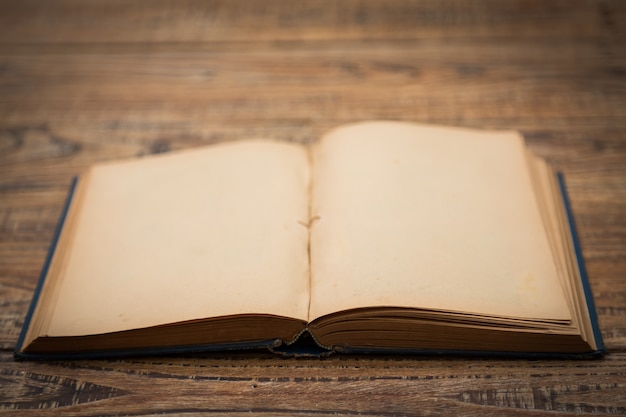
(438,81)
(266,384)
(238,20)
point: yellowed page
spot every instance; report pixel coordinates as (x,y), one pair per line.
(201,233)
(429,217)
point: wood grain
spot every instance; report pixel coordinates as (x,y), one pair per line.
(346,385)
(237,20)
(82,82)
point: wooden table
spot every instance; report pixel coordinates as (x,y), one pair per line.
(82,82)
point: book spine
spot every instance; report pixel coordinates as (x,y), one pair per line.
(593,316)
(46,267)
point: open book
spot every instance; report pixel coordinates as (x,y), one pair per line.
(380,237)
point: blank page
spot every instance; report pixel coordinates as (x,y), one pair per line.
(201,233)
(429,217)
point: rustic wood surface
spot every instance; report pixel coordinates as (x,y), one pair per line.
(82,82)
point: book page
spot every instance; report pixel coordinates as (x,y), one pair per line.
(429,217)
(207,232)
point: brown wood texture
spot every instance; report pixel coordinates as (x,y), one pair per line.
(82,82)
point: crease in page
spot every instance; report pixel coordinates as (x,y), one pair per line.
(310,221)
